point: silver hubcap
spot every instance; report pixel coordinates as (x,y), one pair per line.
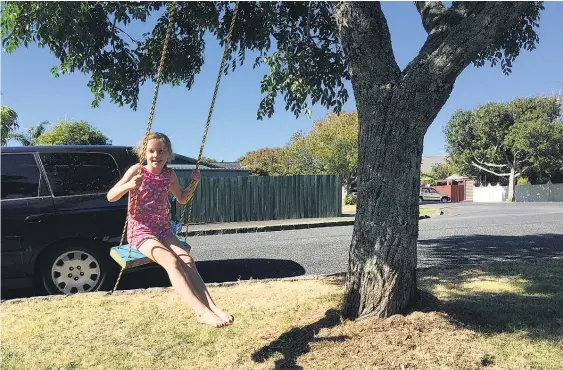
(75,272)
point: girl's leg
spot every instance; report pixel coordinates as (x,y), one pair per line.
(194,276)
(157,252)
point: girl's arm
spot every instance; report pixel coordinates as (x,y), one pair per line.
(184,196)
(129,181)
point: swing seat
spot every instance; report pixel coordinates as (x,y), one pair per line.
(128,260)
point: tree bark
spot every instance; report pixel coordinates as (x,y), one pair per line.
(394,111)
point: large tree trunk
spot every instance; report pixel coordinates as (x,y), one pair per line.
(395,109)
(382,268)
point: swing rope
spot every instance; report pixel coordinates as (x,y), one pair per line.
(171,9)
(220,74)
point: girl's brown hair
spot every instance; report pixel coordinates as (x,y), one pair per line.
(154,136)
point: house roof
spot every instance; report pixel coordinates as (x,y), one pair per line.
(183,160)
(230,165)
(430,160)
(202,167)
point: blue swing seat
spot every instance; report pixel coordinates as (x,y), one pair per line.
(127,260)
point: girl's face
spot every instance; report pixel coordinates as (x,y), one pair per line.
(157,154)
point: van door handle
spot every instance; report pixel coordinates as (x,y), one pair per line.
(33,219)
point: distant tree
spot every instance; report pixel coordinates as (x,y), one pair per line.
(208,160)
(9,121)
(508,139)
(31,136)
(267,162)
(72,133)
(331,147)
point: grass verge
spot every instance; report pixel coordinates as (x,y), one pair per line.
(501,316)
(430,211)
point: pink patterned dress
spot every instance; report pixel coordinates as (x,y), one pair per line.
(151,218)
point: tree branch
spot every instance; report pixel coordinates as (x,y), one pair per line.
(436,17)
(489,171)
(488,164)
(367,43)
(132,39)
(456,38)
(461,39)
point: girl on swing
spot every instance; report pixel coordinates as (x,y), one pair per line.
(149,231)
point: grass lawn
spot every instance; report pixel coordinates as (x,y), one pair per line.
(501,316)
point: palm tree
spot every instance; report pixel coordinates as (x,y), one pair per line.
(32,134)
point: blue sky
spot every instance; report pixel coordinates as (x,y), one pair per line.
(29,88)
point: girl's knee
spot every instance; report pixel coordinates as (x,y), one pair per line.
(170,263)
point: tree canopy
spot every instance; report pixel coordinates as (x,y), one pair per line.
(508,139)
(30,136)
(330,147)
(72,133)
(298,41)
(9,120)
(267,162)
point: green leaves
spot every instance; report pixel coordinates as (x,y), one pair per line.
(507,46)
(102,39)
(525,134)
(331,147)
(72,133)
(267,162)
(31,135)
(9,121)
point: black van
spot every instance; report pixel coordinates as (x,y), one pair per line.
(57,225)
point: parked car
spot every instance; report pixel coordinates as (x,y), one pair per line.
(432,194)
(57,225)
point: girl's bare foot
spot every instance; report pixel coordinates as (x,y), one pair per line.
(223,315)
(211,319)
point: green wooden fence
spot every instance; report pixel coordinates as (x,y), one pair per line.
(258,198)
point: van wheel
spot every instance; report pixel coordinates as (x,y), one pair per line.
(420,198)
(75,267)
(445,200)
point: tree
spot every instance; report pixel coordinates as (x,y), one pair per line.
(331,147)
(72,133)
(208,160)
(31,136)
(509,139)
(9,120)
(319,45)
(267,162)
(440,171)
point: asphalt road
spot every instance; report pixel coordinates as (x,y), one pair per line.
(467,233)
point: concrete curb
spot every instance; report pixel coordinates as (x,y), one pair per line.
(165,289)
(266,228)
(281,227)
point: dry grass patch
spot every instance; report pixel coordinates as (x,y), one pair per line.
(424,211)
(498,317)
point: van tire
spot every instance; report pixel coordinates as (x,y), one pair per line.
(77,266)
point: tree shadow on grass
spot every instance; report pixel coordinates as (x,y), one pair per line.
(296,342)
(502,297)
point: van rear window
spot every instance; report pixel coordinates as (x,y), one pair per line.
(21,177)
(80,173)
